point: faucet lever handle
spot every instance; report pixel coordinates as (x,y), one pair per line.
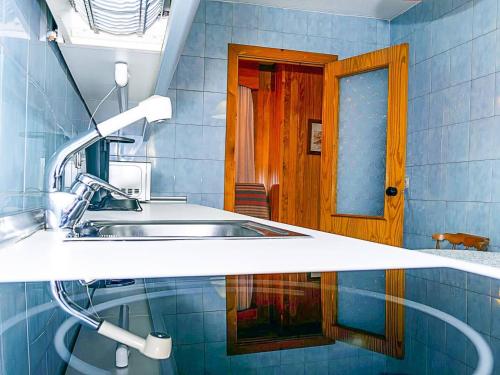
(95,183)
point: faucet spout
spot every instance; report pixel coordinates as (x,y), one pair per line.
(65,209)
(55,168)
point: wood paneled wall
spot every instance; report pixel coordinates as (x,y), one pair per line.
(264,129)
(285,99)
(301,98)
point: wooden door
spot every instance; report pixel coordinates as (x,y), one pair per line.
(363,148)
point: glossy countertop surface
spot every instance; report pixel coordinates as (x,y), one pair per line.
(45,255)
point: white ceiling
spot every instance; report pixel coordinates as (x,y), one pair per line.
(382,9)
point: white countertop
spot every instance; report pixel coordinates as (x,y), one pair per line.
(45,256)
(488,258)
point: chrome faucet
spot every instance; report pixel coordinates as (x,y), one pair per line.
(65,209)
(72,205)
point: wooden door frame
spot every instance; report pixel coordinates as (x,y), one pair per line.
(277,282)
(238,52)
(391,343)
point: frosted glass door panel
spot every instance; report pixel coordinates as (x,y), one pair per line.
(357,309)
(362,143)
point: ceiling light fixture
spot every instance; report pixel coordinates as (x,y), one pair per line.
(120,17)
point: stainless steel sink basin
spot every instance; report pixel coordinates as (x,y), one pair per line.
(175,230)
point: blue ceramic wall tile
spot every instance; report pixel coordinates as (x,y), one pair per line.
(423,72)
(188,175)
(214,109)
(483,55)
(215,75)
(245,15)
(477,218)
(195,43)
(244,35)
(213,176)
(291,356)
(192,198)
(189,142)
(161,143)
(440,71)
(295,42)
(37,66)
(270,39)
(494,229)
(436,185)
(485,16)
(439,36)
(438,105)
(419,183)
(319,44)
(495,318)
(200,13)
(190,328)
(478,312)
(213,200)
(219,13)
(292,369)
(190,73)
(456,174)
(162,176)
(498,47)
(244,362)
(483,97)
(216,360)
(423,44)
(478,284)
(434,145)
(495,181)
(442,7)
(453,277)
(458,25)
(316,368)
(316,353)
(271,19)
(484,137)
(14,340)
(190,359)
(215,326)
(35,154)
(480,181)
(437,328)
(189,107)
(216,40)
(214,300)
(456,143)
(189,299)
(213,142)
(15,41)
(457,108)
(460,63)
(497,94)
(294,22)
(13,124)
(458,3)
(319,24)
(383,33)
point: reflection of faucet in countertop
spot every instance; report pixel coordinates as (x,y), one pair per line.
(65,209)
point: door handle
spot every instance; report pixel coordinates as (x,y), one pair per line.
(391,191)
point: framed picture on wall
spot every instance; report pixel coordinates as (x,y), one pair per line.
(315,134)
